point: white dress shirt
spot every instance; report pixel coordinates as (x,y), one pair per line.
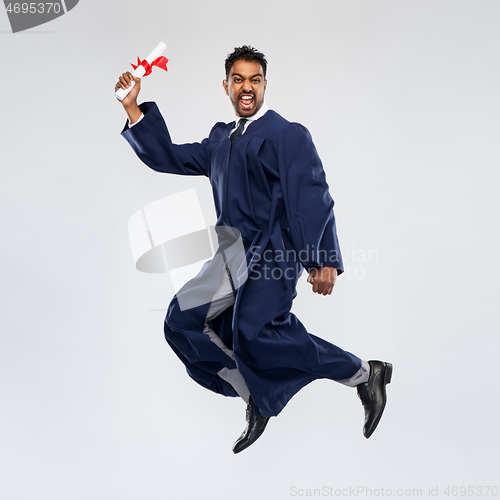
(262,111)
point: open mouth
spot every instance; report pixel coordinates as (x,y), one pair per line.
(246,101)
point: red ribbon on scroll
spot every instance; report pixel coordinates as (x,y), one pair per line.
(160,62)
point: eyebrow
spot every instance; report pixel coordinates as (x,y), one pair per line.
(241,76)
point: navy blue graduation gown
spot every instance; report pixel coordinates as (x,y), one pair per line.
(270,185)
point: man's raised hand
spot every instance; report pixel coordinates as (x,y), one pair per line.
(322,279)
(130,101)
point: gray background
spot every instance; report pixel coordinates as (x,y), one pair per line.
(401,98)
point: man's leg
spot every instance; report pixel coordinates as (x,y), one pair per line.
(361,376)
(370,381)
(207,358)
(222,299)
(256,423)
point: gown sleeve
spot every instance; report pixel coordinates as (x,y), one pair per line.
(152,143)
(308,204)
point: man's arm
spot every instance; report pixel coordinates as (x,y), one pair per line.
(149,137)
(309,208)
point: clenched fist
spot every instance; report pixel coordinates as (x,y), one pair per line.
(130,101)
(322,279)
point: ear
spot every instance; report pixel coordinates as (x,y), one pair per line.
(265,84)
(224,84)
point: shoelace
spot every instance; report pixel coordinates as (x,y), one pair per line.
(363,396)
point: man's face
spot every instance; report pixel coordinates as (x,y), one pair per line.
(246,87)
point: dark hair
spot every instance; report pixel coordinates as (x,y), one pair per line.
(247,53)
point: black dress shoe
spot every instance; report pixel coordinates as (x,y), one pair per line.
(373,395)
(255,427)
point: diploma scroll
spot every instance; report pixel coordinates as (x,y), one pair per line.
(141,69)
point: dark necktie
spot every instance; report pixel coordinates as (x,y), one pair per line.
(239,130)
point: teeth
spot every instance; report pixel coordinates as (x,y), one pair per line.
(247,97)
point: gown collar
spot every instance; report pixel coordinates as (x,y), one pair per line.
(262,111)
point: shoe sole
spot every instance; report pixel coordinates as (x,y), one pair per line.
(387,380)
